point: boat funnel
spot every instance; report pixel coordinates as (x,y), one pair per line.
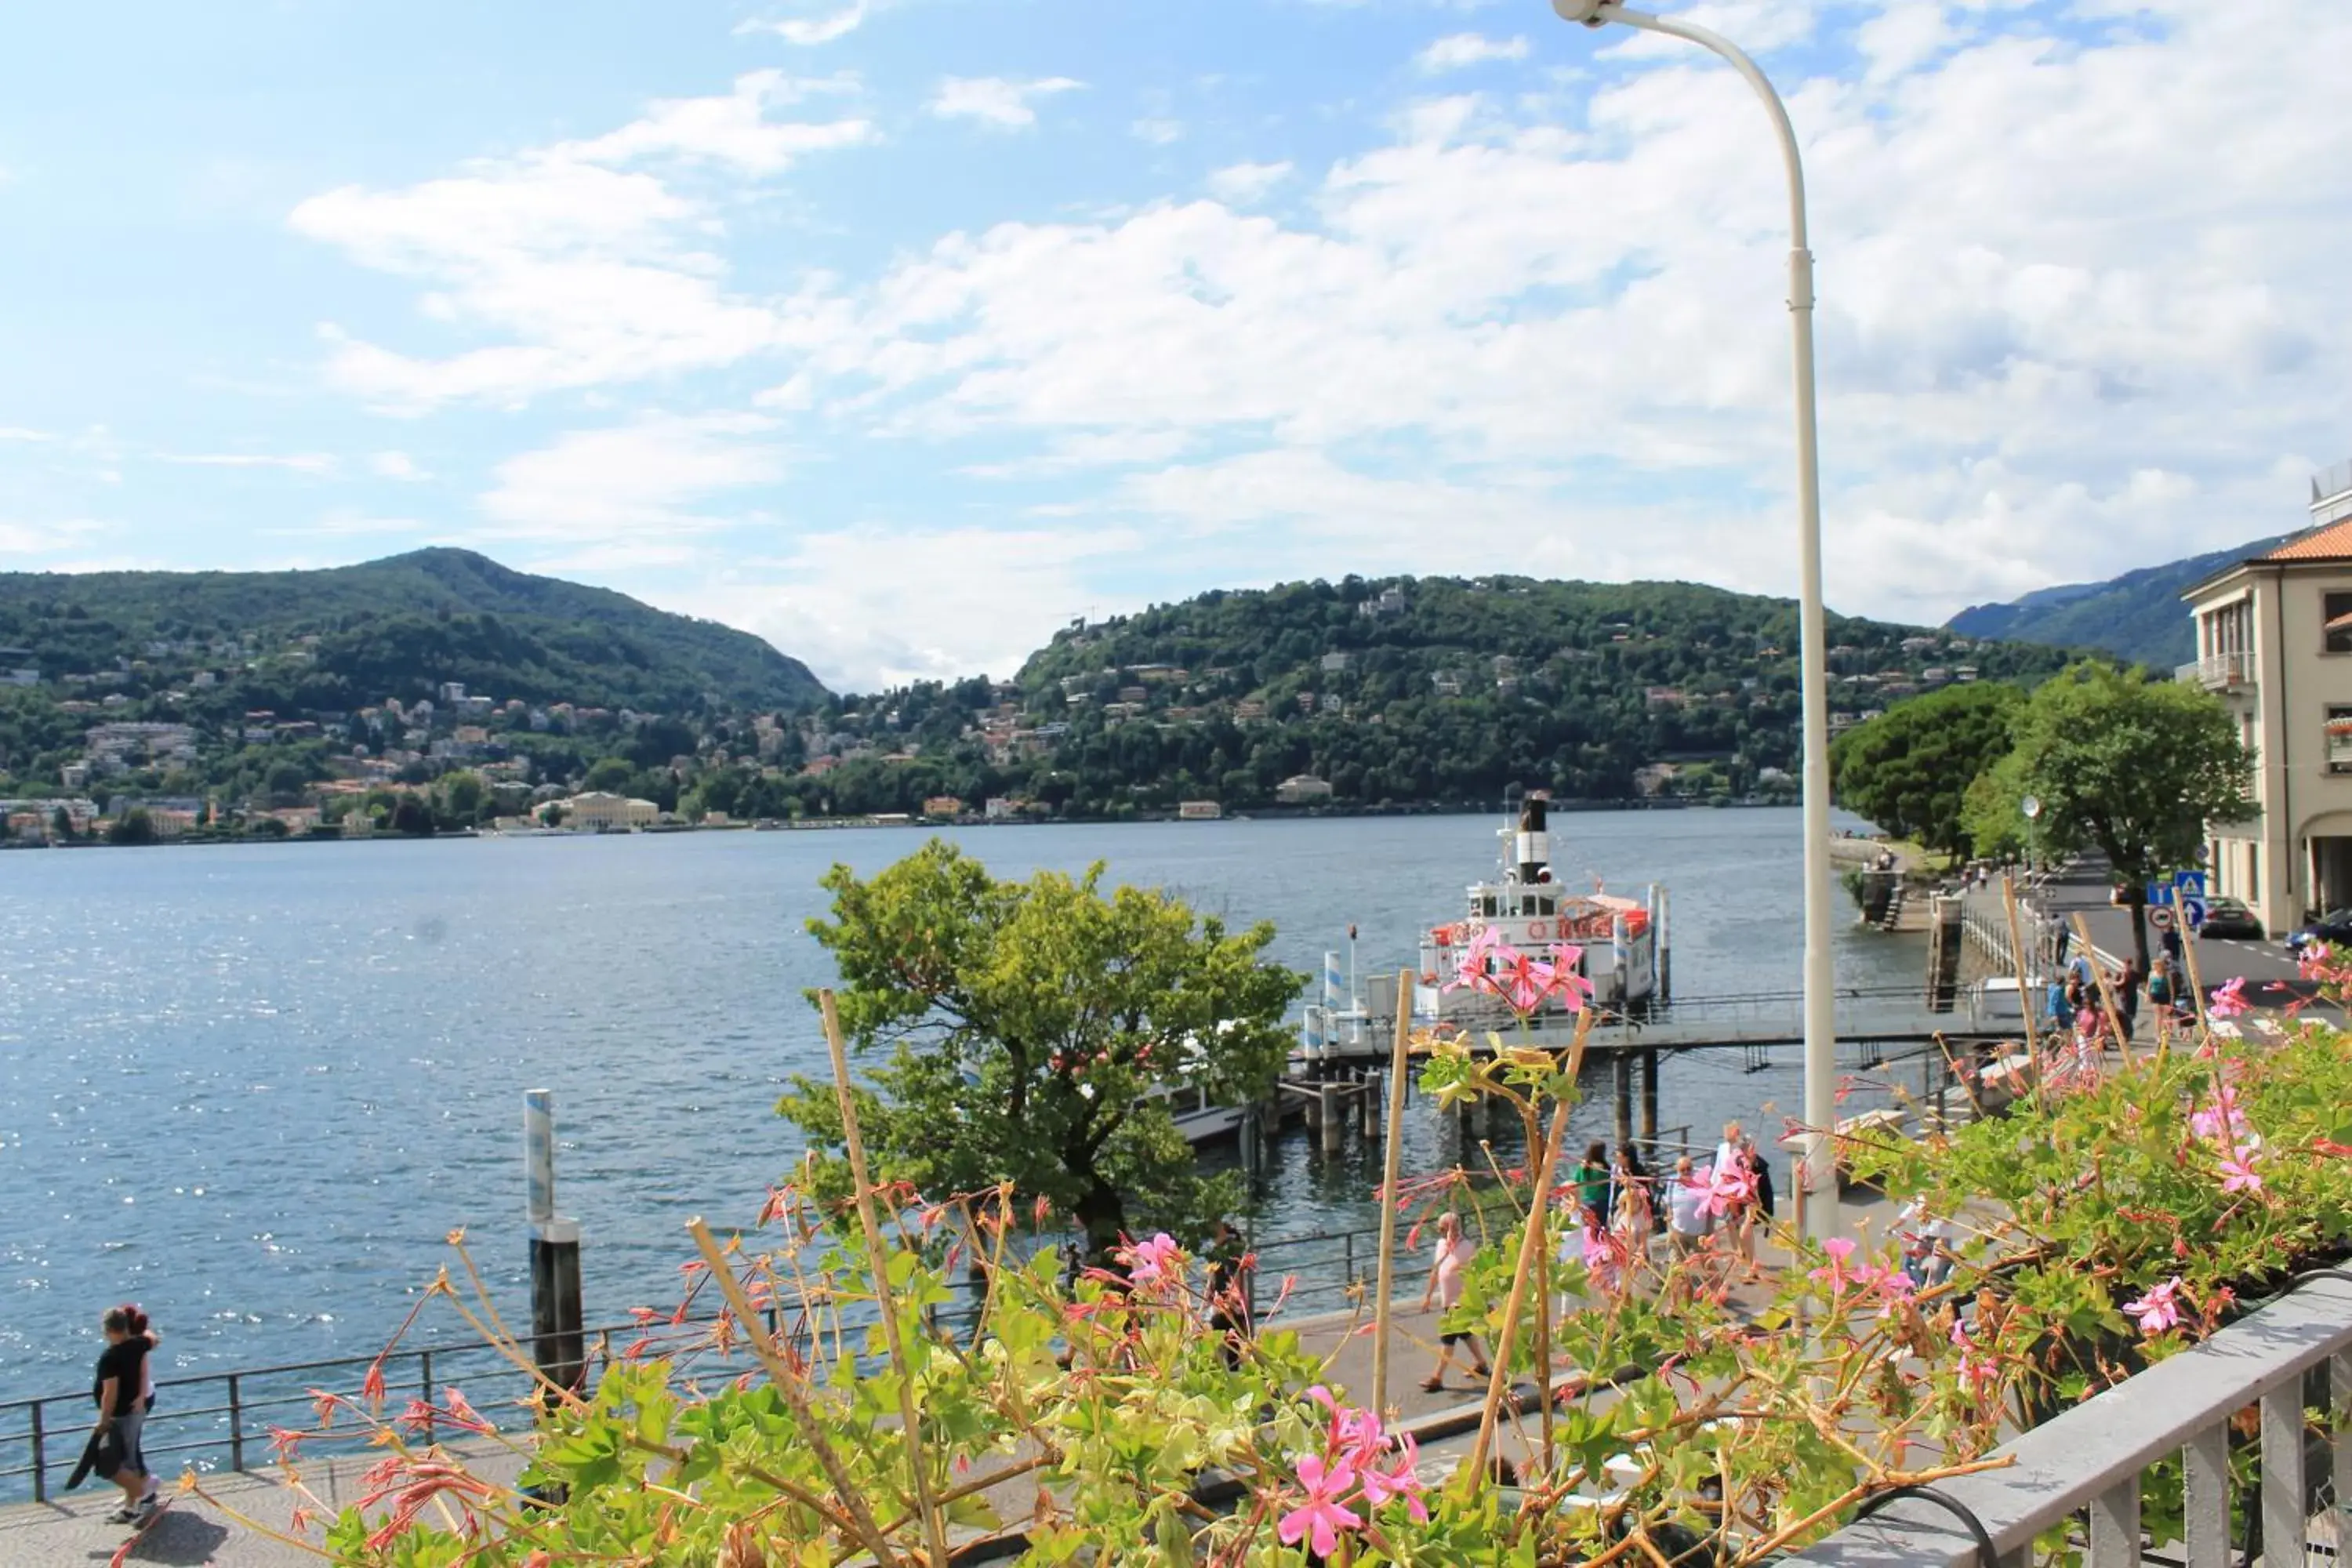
(1534,847)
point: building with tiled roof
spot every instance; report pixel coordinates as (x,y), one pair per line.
(2275,640)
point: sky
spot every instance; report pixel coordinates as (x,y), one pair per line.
(903,332)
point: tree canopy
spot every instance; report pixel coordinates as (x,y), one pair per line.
(1909,769)
(1021,1032)
(2130,767)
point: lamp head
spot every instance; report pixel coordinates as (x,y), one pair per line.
(1587,12)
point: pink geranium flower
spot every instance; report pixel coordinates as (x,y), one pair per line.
(1322,1516)
(1470,970)
(2228,1001)
(1399,1480)
(2237,1173)
(1832,1273)
(1575,992)
(2313,959)
(1152,1262)
(2158,1309)
(1724,1192)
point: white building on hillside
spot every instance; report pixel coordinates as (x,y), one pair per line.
(2275,640)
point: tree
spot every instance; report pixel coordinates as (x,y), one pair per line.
(1909,769)
(1024,1032)
(463,794)
(2131,767)
(411,817)
(133,827)
(610,776)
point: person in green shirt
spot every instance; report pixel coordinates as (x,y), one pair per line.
(1592,1184)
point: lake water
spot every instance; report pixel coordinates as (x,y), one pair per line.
(253,1087)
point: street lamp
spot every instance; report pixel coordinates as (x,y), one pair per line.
(1818,1178)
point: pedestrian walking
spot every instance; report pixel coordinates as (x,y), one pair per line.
(1636,1213)
(2161,995)
(1228,1292)
(1751,1209)
(2127,982)
(1447,1261)
(1687,1223)
(121,1391)
(1593,1184)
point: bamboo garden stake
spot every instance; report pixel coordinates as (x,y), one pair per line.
(2106,992)
(1399,1063)
(2025,1004)
(878,1259)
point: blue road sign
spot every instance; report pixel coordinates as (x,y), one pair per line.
(2192,912)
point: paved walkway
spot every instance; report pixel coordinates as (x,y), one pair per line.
(72,1530)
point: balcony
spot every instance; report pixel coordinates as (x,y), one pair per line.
(2218,672)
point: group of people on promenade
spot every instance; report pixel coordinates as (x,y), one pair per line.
(1618,1205)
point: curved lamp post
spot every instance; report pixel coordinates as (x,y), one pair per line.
(1818,1181)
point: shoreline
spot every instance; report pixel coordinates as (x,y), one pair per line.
(887,820)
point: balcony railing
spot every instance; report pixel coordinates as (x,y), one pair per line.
(2218,671)
(2294,1353)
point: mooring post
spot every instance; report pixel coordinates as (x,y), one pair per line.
(1334,1123)
(1620,1062)
(557,1344)
(1650,1101)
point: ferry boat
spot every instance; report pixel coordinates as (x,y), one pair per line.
(1624,943)
(1623,940)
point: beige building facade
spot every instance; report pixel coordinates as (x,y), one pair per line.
(597,812)
(2275,642)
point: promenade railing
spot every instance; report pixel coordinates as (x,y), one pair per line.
(227,1420)
(2291,1356)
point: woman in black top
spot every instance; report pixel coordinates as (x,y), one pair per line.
(122,1410)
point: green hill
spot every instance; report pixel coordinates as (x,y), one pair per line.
(2137,616)
(1403,691)
(350,635)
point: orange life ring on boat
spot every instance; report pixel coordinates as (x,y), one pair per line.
(1540,930)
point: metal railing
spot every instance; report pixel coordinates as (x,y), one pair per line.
(2088,1462)
(2217,671)
(228,1419)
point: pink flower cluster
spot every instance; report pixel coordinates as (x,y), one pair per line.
(1522,982)
(2158,1309)
(1362,1463)
(1159,1262)
(1724,1191)
(1889,1284)
(2221,1123)
(2228,1001)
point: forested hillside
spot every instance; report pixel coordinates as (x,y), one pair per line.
(1398,691)
(350,635)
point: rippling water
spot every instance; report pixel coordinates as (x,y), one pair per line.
(253,1087)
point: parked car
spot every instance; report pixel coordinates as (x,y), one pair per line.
(2229,917)
(2333,928)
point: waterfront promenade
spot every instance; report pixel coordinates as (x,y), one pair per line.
(73,1529)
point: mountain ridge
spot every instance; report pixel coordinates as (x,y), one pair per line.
(2136,616)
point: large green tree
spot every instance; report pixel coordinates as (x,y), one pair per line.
(2131,767)
(1021,1032)
(1909,769)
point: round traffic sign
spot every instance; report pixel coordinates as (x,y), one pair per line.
(2160,917)
(2030,806)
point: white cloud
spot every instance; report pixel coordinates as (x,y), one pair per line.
(1160,132)
(590,271)
(1458,50)
(733,129)
(1086,451)
(19,433)
(874,605)
(294,462)
(809,31)
(343,523)
(397,466)
(45,538)
(617,484)
(996,101)
(1246,184)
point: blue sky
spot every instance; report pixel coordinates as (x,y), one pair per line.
(902,332)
